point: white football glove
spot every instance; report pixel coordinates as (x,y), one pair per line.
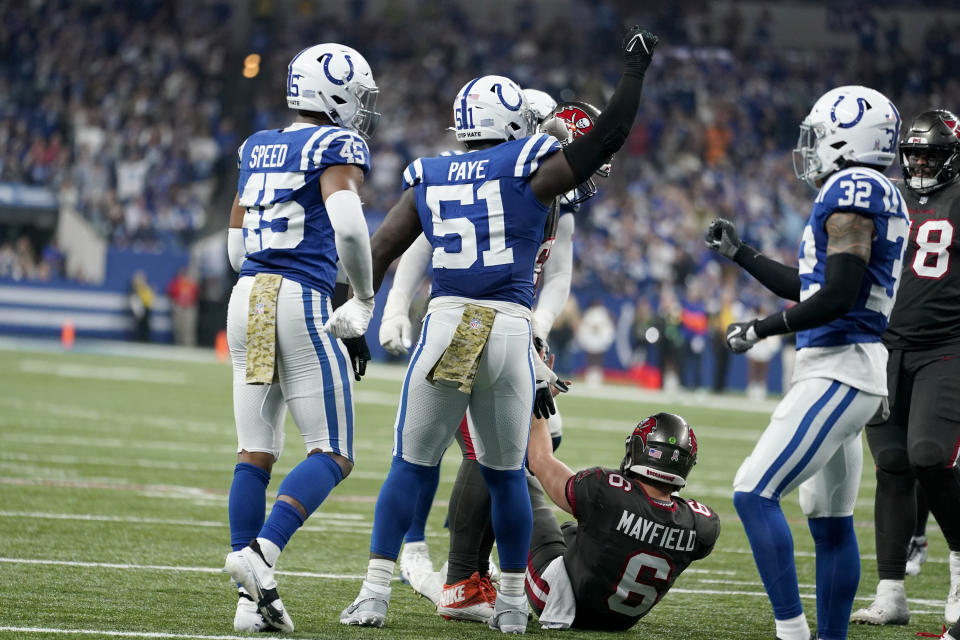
(396,334)
(350,320)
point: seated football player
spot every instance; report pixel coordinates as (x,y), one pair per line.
(632,535)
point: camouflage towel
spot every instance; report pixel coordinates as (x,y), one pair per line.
(262,329)
(460,360)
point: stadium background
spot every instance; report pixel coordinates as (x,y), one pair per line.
(119,124)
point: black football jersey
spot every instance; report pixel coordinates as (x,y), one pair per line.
(628,548)
(927,310)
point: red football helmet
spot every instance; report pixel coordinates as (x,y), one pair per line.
(580,117)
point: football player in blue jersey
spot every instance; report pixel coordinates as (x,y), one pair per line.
(849,265)
(484,214)
(468,596)
(296,212)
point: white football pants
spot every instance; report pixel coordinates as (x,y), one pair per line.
(812,441)
(314,370)
(500,403)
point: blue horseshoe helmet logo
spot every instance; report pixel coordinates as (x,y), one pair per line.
(862,104)
(512,107)
(326,69)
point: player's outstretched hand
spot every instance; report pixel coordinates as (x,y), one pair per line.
(638,46)
(396,334)
(722,237)
(350,319)
(548,384)
(742,335)
(359,353)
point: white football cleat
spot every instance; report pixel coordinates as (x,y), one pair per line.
(951,611)
(916,555)
(248,618)
(510,615)
(888,607)
(416,569)
(370,607)
(248,569)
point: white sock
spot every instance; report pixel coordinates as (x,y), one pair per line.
(793,628)
(891,588)
(511,584)
(954,567)
(380,572)
(414,546)
(270,551)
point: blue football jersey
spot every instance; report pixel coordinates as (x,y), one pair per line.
(482,218)
(286,229)
(868,193)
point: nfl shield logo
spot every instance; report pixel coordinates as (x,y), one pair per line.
(258,308)
(475,323)
(654,453)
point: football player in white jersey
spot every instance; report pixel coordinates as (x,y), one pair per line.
(484,214)
(297,210)
(850,261)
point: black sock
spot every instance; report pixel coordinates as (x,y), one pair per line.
(469,517)
(895,496)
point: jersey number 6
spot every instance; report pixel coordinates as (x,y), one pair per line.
(634,594)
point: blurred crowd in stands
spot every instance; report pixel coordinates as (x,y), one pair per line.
(127,109)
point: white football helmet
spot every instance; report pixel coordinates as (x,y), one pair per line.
(847,124)
(336,80)
(492,108)
(540,102)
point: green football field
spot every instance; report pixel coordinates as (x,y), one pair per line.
(115,466)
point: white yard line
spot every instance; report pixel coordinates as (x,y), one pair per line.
(350,576)
(95,372)
(119,634)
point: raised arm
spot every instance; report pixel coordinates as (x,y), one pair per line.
(551,472)
(849,238)
(561,172)
(777,277)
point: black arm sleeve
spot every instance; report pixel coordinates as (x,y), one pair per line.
(589,152)
(778,278)
(843,278)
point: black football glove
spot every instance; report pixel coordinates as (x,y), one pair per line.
(543,404)
(359,355)
(638,46)
(722,237)
(742,335)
